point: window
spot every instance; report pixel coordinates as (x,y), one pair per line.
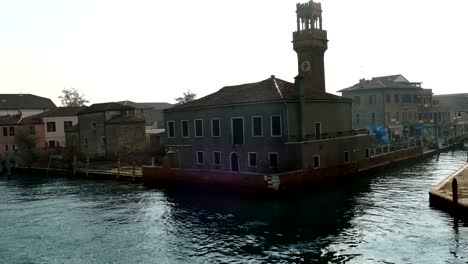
(274,160)
(406,98)
(200,157)
(372,99)
(387,114)
(5,131)
(170,129)
(217,158)
(367,153)
(252,159)
(215,127)
(397,98)
(184,128)
(12,131)
(32,130)
(397,116)
(93,124)
(6,148)
(373,118)
(358,119)
(318,130)
(198,128)
(388,99)
(357,100)
(237,126)
(13,147)
(103,140)
(346,156)
(316,162)
(67,124)
(257,127)
(51,144)
(85,141)
(50,126)
(276,126)
(420,116)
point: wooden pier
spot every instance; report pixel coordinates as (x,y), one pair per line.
(442,196)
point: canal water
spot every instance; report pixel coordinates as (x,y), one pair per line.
(381,218)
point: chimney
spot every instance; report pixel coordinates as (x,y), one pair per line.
(299,87)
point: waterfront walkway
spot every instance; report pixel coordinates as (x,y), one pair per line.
(442,195)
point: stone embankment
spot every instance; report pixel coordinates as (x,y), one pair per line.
(442,195)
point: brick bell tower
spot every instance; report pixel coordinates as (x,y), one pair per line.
(310,44)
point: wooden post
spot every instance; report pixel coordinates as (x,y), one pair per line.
(8,167)
(455,194)
(87,165)
(74,165)
(152,162)
(133,177)
(118,169)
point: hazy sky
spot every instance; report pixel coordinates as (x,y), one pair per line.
(153,50)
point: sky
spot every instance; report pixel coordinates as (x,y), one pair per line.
(154,51)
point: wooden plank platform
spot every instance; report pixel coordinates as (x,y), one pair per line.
(441,195)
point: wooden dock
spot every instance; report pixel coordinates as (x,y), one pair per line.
(442,196)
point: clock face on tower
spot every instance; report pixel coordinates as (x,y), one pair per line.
(305,66)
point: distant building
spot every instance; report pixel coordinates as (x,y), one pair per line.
(31,127)
(24,104)
(450,115)
(390,101)
(8,128)
(110,130)
(151,112)
(56,121)
(15,131)
(272,125)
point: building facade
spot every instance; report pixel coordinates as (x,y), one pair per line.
(272,125)
(8,128)
(17,133)
(392,102)
(151,112)
(450,115)
(56,121)
(110,130)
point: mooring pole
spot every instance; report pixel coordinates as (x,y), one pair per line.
(74,165)
(455,194)
(152,161)
(133,177)
(118,169)
(87,165)
(8,167)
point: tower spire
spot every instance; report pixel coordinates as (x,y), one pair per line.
(310,43)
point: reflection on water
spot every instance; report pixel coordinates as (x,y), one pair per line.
(383,217)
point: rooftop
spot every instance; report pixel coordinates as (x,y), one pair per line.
(62,111)
(103,107)
(25,101)
(383,82)
(269,90)
(154,106)
(9,119)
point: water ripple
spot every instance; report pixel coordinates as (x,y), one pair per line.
(380,218)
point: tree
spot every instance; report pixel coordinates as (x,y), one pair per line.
(188,96)
(71,97)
